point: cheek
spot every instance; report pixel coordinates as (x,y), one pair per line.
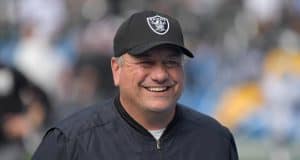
(131,77)
(179,78)
(177,75)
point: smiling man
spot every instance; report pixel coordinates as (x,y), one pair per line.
(150,84)
(144,121)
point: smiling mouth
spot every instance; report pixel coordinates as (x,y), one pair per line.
(157,89)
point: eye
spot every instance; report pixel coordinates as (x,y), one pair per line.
(146,63)
(171,63)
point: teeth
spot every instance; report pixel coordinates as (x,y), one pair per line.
(157,89)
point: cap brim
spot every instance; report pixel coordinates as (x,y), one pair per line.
(143,48)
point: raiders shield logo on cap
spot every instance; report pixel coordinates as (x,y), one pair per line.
(158,24)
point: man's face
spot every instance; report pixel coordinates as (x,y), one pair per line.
(150,82)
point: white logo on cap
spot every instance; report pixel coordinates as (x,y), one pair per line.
(158,24)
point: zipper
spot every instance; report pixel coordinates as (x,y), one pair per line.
(158,144)
(158,147)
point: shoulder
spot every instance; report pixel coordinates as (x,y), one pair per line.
(196,117)
(202,122)
(85,120)
(209,132)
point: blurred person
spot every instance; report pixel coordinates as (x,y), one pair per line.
(23,112)
(280,82)
(90,78)
(91,81)
(48,17)
(239,103)
(93,62)
(265,11)
(144,120)
(201,84)
(8,32)
(38,59)
(35,53)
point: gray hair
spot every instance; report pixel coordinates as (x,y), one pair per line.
(120,60)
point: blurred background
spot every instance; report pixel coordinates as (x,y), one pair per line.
(55,59)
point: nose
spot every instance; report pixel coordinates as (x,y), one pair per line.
(160,73)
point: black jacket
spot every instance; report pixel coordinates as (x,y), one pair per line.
(107,132)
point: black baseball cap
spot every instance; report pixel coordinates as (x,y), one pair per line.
(145,30)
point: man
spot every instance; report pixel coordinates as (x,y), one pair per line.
(23,108)
(144,121)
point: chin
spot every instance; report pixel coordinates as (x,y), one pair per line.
(160,106)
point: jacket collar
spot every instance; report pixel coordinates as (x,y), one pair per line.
(134,124)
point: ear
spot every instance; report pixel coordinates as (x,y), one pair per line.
(115,67)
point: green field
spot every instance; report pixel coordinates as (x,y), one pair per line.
(250,149)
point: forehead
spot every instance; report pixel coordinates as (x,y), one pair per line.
(162,51)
